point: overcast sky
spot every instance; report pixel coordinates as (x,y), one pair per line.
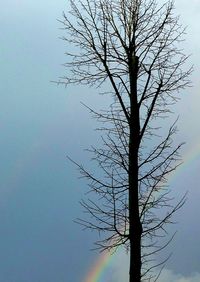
(41,123)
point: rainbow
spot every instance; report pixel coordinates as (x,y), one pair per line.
(99,267)
(105,259)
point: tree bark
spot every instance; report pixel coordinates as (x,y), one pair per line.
(135,229)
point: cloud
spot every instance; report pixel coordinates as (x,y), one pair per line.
(169,276)
(119,271)
(119,267)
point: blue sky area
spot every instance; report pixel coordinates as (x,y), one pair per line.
(41,123)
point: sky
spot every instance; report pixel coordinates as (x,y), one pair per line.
(40,124)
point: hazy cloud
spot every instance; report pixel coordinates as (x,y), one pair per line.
(120,272)
(169,276)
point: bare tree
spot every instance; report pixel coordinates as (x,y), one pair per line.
(134,45)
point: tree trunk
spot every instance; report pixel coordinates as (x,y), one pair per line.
(135,225)
(134,218)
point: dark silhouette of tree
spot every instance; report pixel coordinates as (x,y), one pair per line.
(133,45)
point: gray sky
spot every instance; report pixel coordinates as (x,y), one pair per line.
(40,124)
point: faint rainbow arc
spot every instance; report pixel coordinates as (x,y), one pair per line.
(96,271)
